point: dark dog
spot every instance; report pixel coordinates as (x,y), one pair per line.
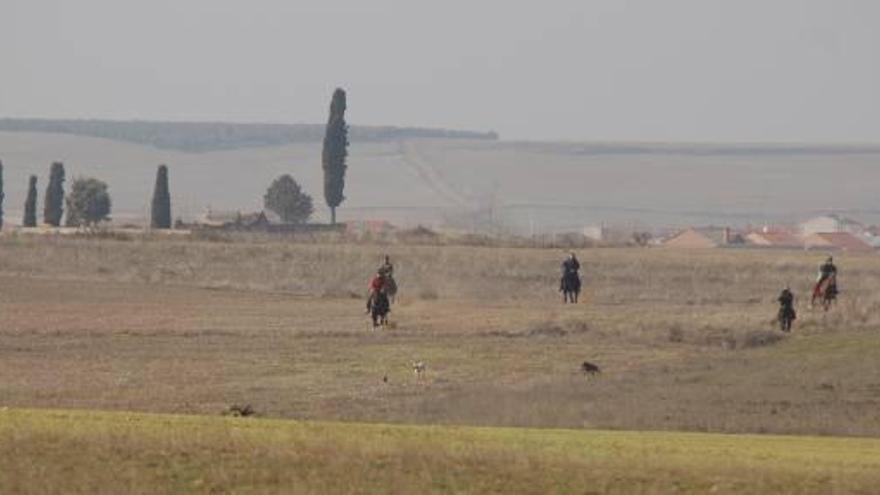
(239,411)
(590,369)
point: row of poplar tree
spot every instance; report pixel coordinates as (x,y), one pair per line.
(88,202)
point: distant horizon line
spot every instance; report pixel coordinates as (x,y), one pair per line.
(869,146)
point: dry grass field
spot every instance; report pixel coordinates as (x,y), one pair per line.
(97,452)
(685,340)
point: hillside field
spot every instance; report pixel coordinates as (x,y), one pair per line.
(685,340)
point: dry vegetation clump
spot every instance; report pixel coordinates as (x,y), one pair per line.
(238,411)
(761,338)
(546,329)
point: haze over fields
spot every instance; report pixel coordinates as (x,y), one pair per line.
(572,87)
(466,183)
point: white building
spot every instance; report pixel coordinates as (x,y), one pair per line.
(831,223)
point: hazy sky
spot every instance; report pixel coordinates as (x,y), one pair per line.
(733,70)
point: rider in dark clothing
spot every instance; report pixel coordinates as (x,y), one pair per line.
(786,305)
(826,271)
(387,269)
(569,267)
(571,264)
(786,300)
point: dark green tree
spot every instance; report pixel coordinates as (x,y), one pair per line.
(161,210)
(287,199)
(1,195)
(30,204)
(88,202)
(53,203)
(334,154)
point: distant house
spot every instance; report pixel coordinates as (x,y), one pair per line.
(704,237)
(369,227)
(871,235)
(774,238)
(831,223)
(837,241)
(871,239)
(596,232)
(233,220)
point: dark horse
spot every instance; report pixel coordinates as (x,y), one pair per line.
(825,292)
(786,317)
(390,288)
(570,285)
(380,306)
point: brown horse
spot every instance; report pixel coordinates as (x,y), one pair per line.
(826,292)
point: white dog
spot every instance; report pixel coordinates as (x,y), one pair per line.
(419,368)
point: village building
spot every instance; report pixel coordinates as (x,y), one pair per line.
(372,228)
(233,220)
(705,238)
(774,238)
(837,241)
(596,232)
(831,223)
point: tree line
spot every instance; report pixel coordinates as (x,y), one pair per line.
(88,203)
(216,136)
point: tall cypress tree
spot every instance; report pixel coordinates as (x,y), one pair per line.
(161,210)
(30,204)
(1,195)
(335,152)
(53,204)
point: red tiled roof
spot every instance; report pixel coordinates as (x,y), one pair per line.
(776,238)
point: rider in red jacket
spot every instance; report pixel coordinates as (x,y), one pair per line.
(377,283)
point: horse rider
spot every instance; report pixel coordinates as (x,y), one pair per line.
(826,270)
(387,269)
(569,267)
(377,284)
(786,304)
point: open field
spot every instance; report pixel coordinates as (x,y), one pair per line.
(685,340)
(92,452)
